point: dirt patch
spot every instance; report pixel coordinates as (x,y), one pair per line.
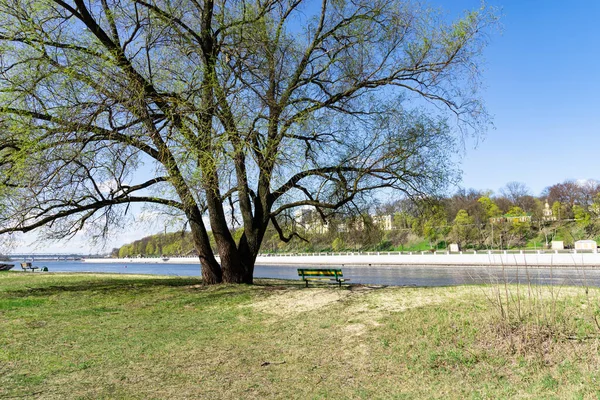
(402,299)
(355,329)
(292,302)
(362,302)
(398,302)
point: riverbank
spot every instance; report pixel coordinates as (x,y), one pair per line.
(537,258)
(68,336)
(394,275)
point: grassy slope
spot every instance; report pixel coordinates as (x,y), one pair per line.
(109,336)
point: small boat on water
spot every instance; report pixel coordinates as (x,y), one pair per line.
(6,267)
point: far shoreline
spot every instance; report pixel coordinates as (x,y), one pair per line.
(386,259)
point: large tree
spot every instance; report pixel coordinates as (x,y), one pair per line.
(229,113)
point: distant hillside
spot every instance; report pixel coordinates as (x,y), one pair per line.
(567,212)
(369,238)
(171,244)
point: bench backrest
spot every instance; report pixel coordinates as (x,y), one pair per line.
(25,265)
(308,272)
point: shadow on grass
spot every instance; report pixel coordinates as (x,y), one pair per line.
(104,286)
(278,284)
(116,286)
(286,284)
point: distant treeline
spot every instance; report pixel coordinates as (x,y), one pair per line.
(178,243)
(567,211)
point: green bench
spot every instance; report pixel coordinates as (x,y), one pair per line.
(317,274)
(27,265)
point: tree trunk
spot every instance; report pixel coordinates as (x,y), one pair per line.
(248,249)
(247,259)
(211,270)
(235,266)
(237,263)
(235,269)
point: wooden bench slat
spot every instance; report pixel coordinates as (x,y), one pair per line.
(312,271)
(318,274)
(328,280)
(314,274)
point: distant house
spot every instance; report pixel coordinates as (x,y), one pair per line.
(511,218)
(351,224)
(519,218)
(307,219)
(343,227)
(310,221)
(384,222)
(558,245)
(319,226)
(548,213)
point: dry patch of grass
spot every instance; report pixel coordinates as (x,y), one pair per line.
(290,302)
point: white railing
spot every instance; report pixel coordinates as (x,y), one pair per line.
(433,253)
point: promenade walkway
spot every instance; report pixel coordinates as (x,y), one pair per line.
(507,258)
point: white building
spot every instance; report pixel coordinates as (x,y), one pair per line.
(307,219)
(586,245)
(384,222)
(317,226)
(548,213)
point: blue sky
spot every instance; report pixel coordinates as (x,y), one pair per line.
(541,81)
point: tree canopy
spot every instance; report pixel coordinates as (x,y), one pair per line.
(228,113)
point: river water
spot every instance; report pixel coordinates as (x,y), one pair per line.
(380,275)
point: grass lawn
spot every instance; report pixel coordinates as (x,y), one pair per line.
(82,336)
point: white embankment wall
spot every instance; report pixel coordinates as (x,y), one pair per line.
(575,259)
